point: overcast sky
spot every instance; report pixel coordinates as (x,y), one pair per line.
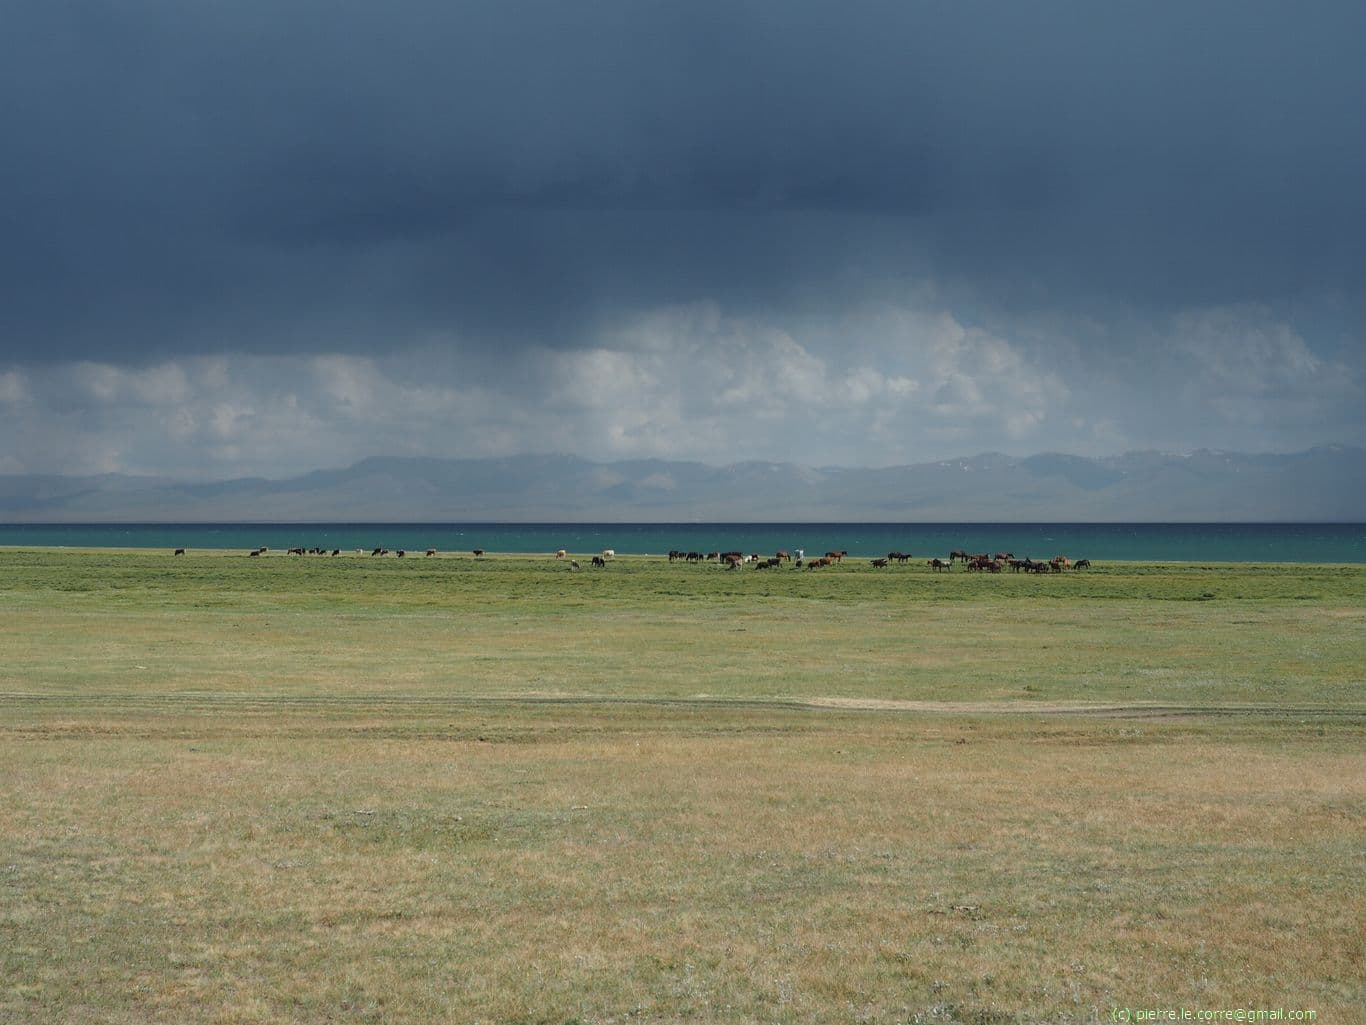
(268,236)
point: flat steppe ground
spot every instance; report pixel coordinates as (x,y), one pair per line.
(284,789)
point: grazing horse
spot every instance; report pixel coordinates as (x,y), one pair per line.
(879,563)
(573,563)
(609,553)
(377,551)
(179,551)
(401,553)
(1059,563)
(336,551)
(939,565)
(478,552)
(781,555)
(561,554)
(253,554)
(598,560)
(958,553)
(1082,564)
(430,552)
(296,551)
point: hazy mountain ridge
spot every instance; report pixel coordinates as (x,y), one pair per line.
(1323,483)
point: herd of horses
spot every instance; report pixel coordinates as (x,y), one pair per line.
(985,563)
(973,563)
(734,560)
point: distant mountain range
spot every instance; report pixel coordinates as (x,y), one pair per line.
(1327,483)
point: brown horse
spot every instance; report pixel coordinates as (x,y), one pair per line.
(938,565)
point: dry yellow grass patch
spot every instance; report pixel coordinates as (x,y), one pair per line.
(863,867)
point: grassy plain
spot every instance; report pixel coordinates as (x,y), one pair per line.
(431,790)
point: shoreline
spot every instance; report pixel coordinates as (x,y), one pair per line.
(619,556)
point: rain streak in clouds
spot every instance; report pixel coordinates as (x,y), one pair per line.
(264,238)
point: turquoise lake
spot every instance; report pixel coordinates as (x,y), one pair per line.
(1150,542)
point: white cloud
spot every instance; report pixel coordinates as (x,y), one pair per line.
(349,380)
(884,384)
(1243,351)
(162,385)
(98,380)
(1257,379)
(13,387)
(227,420)
(785,395)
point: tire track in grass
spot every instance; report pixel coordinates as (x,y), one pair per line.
(198,702)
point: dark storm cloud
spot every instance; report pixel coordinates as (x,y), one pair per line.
(310,176)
